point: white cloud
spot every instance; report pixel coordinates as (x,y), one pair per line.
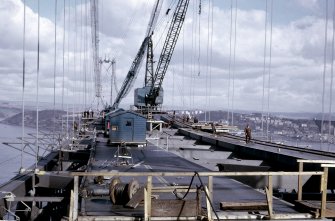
(310,4)
(296,71)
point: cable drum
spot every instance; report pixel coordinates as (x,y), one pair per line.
(120,193)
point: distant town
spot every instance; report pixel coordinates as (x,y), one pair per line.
(280,128)
(290,128)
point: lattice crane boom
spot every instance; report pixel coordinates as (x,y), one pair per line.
(167,51)
(132,73)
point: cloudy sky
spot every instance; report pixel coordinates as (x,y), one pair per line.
(214,65)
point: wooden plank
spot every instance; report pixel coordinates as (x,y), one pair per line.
(315,161)
(176,174)
(315,206)
(243,206)
(173,208)
(137,198)
(301,168)
(269,201)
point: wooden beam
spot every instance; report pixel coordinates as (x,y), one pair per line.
(315,161)
(244,206)
(269,201)
(208,205)
(36,198)
(301,168)
(218,174)
(210,187)
(71,207)
(327,165)
(324,192)
(75,198)
(173,208)
(137,198)
(148,198)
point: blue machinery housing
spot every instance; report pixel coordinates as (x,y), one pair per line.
(126,127)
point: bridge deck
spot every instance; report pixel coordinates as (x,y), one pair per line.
(154,159)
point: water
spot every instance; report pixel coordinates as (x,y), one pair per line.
(10,159)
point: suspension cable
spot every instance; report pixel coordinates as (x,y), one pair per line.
(264,62)
(23,76)
(324,73)
(37,81)
(269,76)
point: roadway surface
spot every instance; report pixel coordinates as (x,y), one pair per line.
(154,159)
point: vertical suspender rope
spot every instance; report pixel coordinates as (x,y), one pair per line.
(68,71)
(191,72)
(37,80)
(85,57)
(183,78)
(229,68)
(55,63)
(81,49)
(210,61)
(199,47)
(199,33)
(331,82)
(324,74)
(234,66)
(269,76)
(23,76)
(207,60)
(264,62)
(63,81)
(74,65)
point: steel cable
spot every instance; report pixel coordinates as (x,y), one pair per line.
(37,81)
(23,76)
(269,76)
(264,62)
(331,82)
(229,67)
(234,66)
(324,74)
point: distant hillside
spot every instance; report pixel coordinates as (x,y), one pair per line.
(7,111)
(46,121)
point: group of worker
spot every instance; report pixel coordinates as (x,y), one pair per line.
(88,114)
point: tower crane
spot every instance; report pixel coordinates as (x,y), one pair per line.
(151,95)
(134,68)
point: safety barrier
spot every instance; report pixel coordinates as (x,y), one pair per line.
(208,189)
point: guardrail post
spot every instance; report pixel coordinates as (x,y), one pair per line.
(75,198)
(210,187)
(148,199)
(145,204)
(71,207)
(208,205)
(269,194)
(324,181)
(301,168)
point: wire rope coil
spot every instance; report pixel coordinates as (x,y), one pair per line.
(120,193)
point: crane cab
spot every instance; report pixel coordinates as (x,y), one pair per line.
(140,100)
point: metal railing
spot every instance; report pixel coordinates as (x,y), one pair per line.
(208,189)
